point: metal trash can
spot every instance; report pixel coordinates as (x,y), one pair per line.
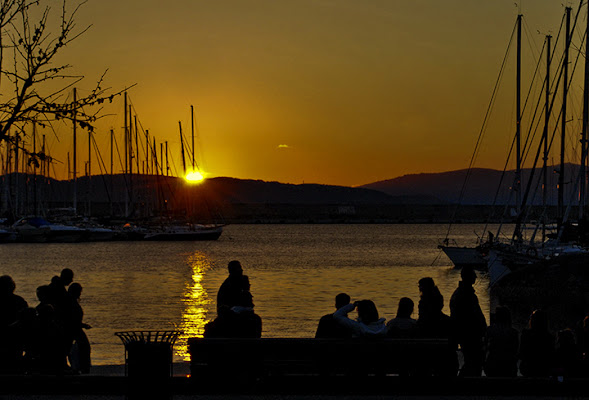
(148,354)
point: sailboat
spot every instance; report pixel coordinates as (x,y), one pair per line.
(168,229)
(501,257)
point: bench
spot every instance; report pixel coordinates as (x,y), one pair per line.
(256,358)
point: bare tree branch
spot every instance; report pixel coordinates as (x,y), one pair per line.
(38,84)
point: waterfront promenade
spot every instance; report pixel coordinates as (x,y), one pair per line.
(109,382)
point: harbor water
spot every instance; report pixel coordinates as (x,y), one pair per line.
(295,272)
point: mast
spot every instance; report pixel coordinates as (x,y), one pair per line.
(89,191)
(35,204)
(162,157)
(182,146)
(44,169)
(192,126)
(136,144)
(518,169)
(583,177)
(564,116)
(130,145)
(167,164)
(147,151)
(74,161)
(16,184)
(112,135)
(126,158)
(545,139)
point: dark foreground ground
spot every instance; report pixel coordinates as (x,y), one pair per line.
(109,382)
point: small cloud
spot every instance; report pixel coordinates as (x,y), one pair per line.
(283,146)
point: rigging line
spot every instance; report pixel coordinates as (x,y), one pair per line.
(140,140)
(531,43)
(103,174)
(144,147)
(529,136)
(125,181)
(521,215)
(554,97)
(190,156)
(101,165)
(557,84)
(495,199)
(492,102)
(482,130)
(175,170)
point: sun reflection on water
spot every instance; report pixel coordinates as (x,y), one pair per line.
(196,300)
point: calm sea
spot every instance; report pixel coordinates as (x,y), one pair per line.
(295,272)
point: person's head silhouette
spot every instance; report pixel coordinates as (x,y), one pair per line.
(406,307)
(341,300)
(468,275)
(234,268)
(367,312)
(67,276)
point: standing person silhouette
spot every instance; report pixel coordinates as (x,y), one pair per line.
(11,308)
(59,299)
(328,327)
(469,323)
(79,355)
(57,292)
(433,323)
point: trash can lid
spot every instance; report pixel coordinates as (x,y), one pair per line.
(168,337)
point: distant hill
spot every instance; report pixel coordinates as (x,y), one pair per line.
(259,192)
(153,189)
(481,188)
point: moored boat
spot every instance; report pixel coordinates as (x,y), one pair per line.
(185,232)
(39,230)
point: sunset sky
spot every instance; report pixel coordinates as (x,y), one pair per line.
(340,92)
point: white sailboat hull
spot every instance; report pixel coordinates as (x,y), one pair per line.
(465,256)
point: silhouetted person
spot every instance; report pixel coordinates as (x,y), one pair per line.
(368,323)
(235,316)
(536,347)
(26,331)
(328,327)
(11,306)
(43,295)
(469,323)
(248,324)
(52,354)
(223,326)
(79,355)
(57,293)
(568,356)
(502,342)
(230,292)
(403,326)
(231,324)
(433,323)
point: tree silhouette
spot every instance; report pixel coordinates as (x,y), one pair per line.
(34,86)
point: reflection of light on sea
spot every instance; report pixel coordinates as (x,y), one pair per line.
(196,298)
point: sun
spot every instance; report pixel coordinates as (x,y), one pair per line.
(194,177)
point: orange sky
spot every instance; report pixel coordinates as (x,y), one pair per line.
(341,92)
